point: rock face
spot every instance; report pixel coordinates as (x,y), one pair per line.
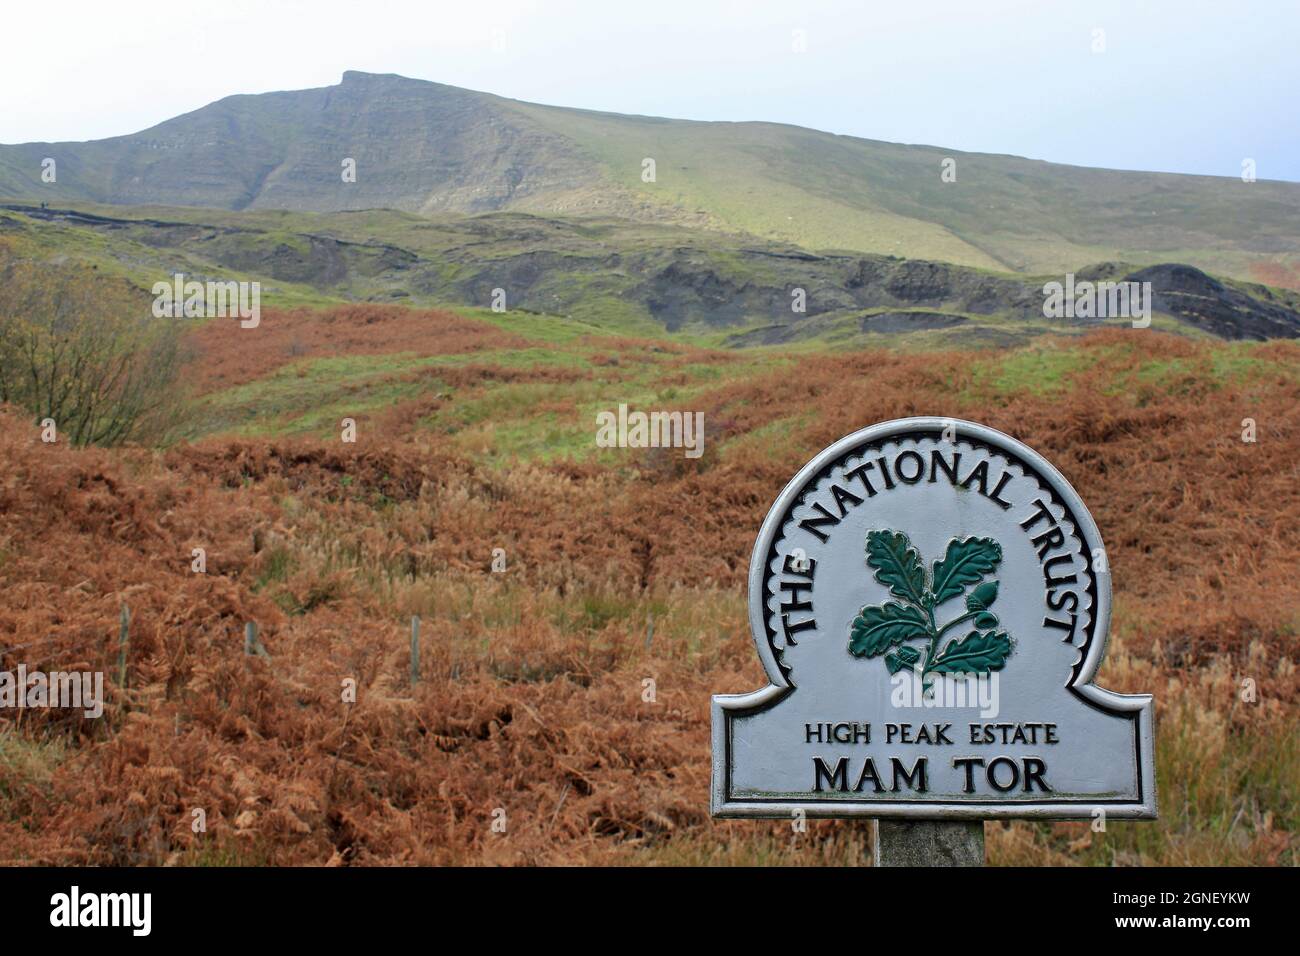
(417,146)
(1205,302)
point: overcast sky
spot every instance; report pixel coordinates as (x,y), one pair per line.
(1180,85)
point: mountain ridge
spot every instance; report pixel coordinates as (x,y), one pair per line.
(430,148)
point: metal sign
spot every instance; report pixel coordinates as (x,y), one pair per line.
(930,601)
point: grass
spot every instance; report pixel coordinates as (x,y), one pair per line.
(27,764)
(142,264)
(835,192)
(539,327)
(1042,370)
(565,278)
(535,676)
(492,418)
(532,681)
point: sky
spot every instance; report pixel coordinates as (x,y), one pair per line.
(1178,86)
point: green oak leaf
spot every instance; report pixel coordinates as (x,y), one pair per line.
(966,561)
(897,564)
(982,598)
(903,657)
(976,653)
(880,626)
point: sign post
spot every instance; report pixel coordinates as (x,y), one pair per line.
(930,601)
(927,843)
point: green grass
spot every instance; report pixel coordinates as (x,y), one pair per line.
(774,434)
(304,396)
(1039,370)
(1003,212)
(277,563)
(540,327)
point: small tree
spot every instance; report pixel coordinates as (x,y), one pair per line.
(84,350)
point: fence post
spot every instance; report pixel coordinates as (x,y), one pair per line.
(250,637)
(649,629)
(123,642)
(415,650)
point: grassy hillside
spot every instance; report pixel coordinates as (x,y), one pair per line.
(617,275)
(835,192)
(427,148)
(476,433)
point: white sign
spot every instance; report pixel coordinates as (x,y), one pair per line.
(930,600)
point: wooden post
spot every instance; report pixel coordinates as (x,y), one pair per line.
(927,842)
(253,643)
(123,642)
(649,629)
(415,650)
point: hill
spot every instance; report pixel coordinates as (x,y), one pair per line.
(531,691)
(615,275)
(427,148)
